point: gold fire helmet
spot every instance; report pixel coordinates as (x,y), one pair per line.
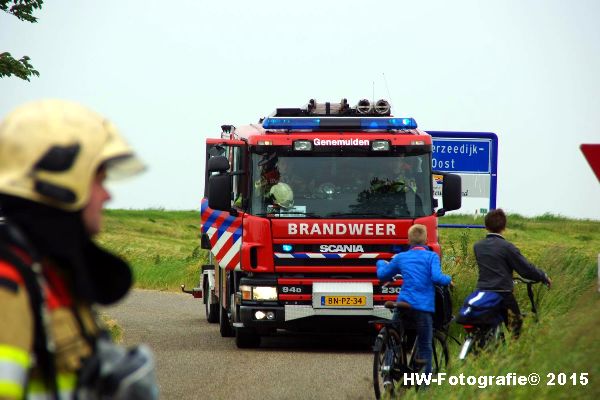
(50,151)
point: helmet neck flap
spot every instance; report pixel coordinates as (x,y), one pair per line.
(95,275)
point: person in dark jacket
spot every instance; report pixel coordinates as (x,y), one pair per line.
(497,259)
(420,269)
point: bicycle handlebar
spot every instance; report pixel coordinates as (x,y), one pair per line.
(524,280)
(530,283)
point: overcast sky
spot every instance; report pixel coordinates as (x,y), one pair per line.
(168,74)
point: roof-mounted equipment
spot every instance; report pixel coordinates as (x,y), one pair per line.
(341,109)
(382,107)
(338,116)
(364,107)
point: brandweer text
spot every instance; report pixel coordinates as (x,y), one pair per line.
(341,229)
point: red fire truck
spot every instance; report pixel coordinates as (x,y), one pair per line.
(297,210)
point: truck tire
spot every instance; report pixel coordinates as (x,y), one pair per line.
(246,338)
(212,310)
(224,325)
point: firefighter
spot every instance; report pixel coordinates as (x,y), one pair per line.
(54,158)
(269,172)
(402,176)
(282,196)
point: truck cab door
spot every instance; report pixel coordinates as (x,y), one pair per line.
(222,228)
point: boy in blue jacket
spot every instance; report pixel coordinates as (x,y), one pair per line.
(420,269)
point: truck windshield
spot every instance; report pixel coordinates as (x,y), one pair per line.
(341,185)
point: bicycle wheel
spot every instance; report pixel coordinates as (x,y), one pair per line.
(489,338)
(440,358)
(388,358)
(495,336)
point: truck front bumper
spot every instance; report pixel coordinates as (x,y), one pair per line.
(329,301)
(284,315)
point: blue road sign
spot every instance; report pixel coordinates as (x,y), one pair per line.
(462,156)
(469,154)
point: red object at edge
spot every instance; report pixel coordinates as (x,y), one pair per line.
(592,154)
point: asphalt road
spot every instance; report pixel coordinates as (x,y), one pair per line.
(195,362)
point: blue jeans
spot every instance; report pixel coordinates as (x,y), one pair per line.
(422,322)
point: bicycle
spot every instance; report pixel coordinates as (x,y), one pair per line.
(395,352)
(480,336)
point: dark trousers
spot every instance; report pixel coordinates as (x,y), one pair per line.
(511,313)
(422,322)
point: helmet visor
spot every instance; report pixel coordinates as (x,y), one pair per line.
(123,167)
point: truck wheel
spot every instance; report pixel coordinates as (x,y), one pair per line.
(224,325)
(212,310)
(246,338)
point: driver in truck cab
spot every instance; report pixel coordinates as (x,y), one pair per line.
(402,175)
(269,172)
(420,270)
(276,192)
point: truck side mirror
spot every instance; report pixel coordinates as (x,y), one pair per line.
(451,192)
(219,191)
(219,184)
(217,164)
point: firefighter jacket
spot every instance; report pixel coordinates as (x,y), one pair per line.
(71,325)
(51,334)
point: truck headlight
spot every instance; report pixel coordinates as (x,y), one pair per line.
(264,293)
(258,293)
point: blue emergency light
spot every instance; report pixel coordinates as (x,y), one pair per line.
(336,123)
(291,123)
(388,123)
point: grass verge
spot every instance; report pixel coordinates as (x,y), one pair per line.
(565,340)
(161,246)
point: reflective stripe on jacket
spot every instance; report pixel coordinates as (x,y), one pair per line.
(14,365)
(65,384)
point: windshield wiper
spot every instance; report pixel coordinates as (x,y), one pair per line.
(360,215)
